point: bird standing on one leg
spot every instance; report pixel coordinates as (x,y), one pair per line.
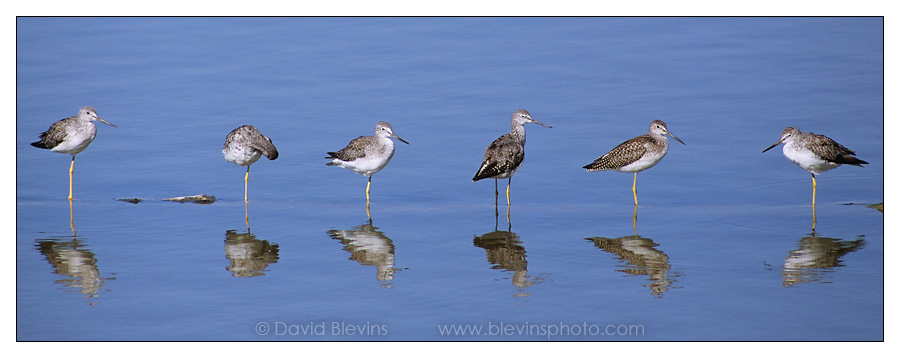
(367,155)
(504,157)
(814,153)
(71,136)
(244,145)
(636,154)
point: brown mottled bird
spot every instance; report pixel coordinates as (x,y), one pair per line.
(71,136)
(244,145)
(814,153)
(367,155)
(505,155)
(636,154)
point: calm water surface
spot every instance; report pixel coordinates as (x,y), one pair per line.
(723,247)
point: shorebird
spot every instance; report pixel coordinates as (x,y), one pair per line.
(367,155)
(503,158)
(71,136)
(244,145)
(636,154)
(814,153)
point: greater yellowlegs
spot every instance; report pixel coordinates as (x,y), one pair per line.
(244,145)
(367,155)
(814,153)
(505,155)
(71,136)
(636,154)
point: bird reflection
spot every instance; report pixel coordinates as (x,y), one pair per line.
(505,252)
(639,256)
(814,259)
(73,259)
(249,256)
(369,247)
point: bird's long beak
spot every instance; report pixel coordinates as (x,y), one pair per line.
(398,138)
(674,137)
(101,119)
(772,146)
(540,123)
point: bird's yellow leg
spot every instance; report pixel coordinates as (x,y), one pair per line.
(508,184)
(71,171)
(367,190)
(634,189)
(496,192)
(246,180)
(814,189)
(368,213)
(507,190)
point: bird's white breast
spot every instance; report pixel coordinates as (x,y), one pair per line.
(77,139)
(806,159)
(377,157)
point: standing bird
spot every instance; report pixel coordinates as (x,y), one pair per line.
(71,136)
(244,145)
(367,155)
(505,155)
(636,154)
(814,153)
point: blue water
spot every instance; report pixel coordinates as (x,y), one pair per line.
(723,247)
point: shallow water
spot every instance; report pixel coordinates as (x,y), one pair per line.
(723,246)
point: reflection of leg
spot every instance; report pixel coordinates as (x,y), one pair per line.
(814,189)
(72,217)
(496,216)
(634,189)
(496,195)
(71,171)
(634,220)
(814,220)
(507,216)
(246,180)
(247,216)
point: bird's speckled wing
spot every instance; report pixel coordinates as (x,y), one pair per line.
(829,150)
(623,154)
(263,144)
(248,136)
(504,155)
(354,150)
(53,136)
